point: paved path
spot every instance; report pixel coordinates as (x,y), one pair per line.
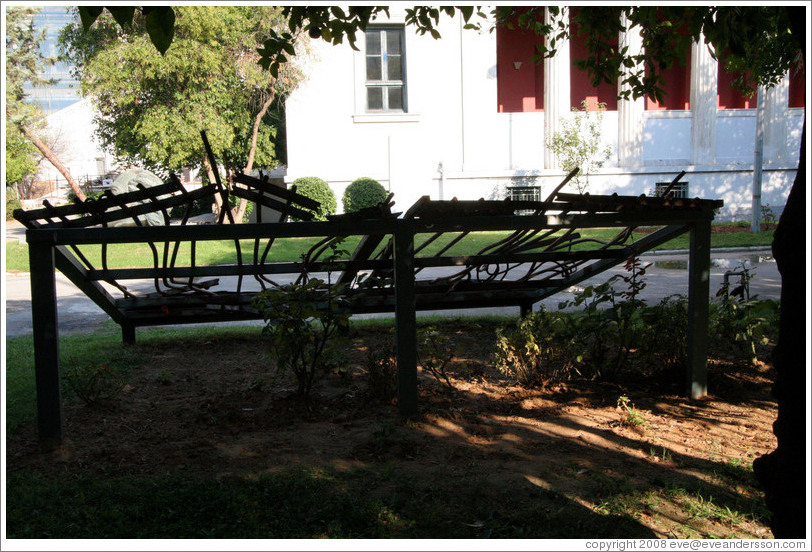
(668,275)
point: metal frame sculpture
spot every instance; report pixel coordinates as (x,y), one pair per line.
(542,254)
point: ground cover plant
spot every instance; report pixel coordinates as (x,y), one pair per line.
(201,443)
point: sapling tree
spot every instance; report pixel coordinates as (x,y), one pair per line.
(578,144)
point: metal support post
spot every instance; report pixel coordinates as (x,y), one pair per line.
(698,309)
(46,342)
(128,334)
(405,320)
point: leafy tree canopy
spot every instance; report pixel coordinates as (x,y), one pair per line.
(756,43)
(152,107)
(24,63)
(22,159)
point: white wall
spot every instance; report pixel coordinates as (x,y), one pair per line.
(76,147)
(452,118)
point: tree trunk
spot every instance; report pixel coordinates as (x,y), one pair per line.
(54,160)
(218,201)
(782,473)
(255,131)
(239,212)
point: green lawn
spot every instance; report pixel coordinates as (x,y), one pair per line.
(291,249)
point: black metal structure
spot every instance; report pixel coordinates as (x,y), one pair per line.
(541,254)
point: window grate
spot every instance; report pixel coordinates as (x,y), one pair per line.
(680,189)
(524,193)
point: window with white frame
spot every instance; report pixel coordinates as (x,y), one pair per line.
(385,70)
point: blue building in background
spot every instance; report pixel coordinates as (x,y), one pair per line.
(64,92)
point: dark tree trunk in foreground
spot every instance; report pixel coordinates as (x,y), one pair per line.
(782,473)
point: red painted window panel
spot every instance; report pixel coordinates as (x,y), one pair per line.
(728,97)
(580,86)
(519,80)
(797,88)
(677,86)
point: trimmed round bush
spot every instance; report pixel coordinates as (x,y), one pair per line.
(363,192)
(316,188)
(11,205)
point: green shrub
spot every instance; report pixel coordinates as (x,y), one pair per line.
(664,343)
(316,188)
(610,324)
(382,373)
(436,353)
(94,383)
(11,205)
(301,319)
(535,351)
(363,192)
(743,323)
(88,196)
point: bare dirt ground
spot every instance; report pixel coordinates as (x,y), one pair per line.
(212,407)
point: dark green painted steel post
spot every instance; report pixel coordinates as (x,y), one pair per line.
(46,342)
(405,320)
(698,308)
(128,334)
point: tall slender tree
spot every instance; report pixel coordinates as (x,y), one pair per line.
(25,63)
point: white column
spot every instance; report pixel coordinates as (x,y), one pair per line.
(630,111)
(704,73)
(556,87)
(776,111)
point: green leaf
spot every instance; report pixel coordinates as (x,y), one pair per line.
(160,22)
(89,14)
(122,14)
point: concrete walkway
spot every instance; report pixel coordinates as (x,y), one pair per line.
(668,275)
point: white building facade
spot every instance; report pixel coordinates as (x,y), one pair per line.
(466,116)
(71,133)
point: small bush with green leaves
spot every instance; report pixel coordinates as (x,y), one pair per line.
(768,215)
(629,415)
(317,189)
(743,323)
(301,319)
(578,143)
(664,343)
(382,373)
(436,353)
(533,351)
(11,206)
(610,323)
(94,383)
(363,192)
